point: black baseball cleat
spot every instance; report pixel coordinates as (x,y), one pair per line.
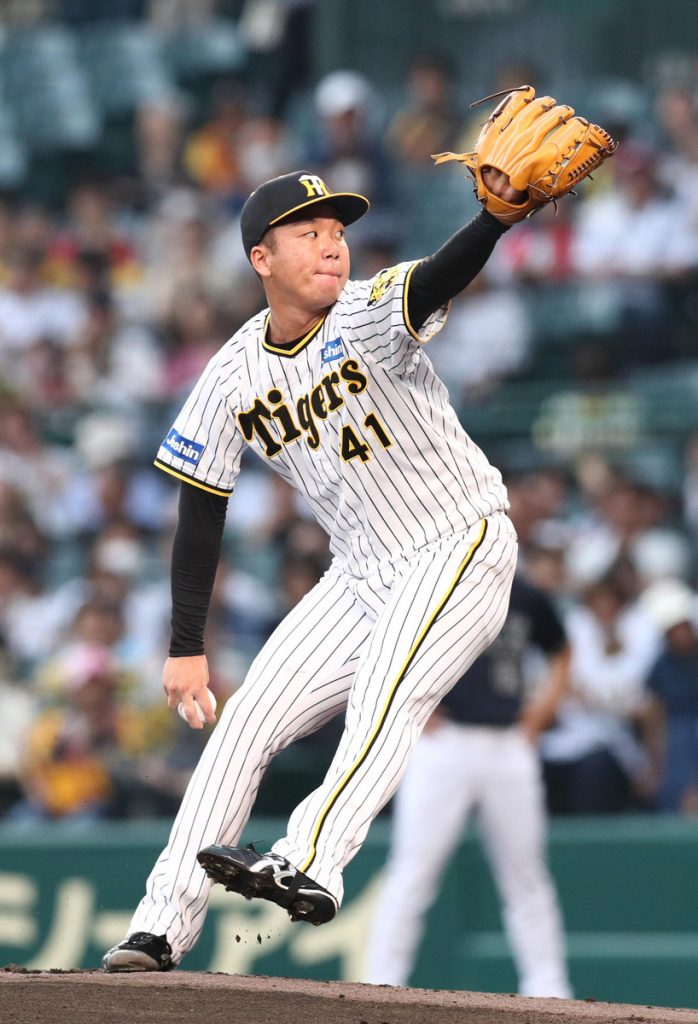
(139,952)
(268,876)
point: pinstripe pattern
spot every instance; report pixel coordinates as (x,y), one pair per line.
(392,693)
(431,480)
(355,418)
(471,617)
(342,647)
(298,682)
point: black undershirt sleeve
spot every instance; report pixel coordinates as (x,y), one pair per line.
(195,554)
(438,278)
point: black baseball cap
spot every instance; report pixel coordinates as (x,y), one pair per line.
(278,198)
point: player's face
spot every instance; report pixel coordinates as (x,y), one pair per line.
(306,262)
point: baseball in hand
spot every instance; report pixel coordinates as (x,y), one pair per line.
(181,712)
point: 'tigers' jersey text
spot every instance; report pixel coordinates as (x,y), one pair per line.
(325,398)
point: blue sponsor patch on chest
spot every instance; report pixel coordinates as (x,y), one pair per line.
(333,350)
(182,447)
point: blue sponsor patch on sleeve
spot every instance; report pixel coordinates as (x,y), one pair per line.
(333,350)
(182,447)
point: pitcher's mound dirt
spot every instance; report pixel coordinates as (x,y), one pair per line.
(92,997)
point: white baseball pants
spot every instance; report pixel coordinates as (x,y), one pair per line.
(453,770)
(385,648)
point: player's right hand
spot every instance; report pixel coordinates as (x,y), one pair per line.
(186,680)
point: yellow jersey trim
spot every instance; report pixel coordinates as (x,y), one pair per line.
(300,344)
(190,480)
(405,313)
(391,696)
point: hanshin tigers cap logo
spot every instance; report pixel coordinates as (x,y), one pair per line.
(279,198)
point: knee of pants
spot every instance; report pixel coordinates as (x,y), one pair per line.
(268,722)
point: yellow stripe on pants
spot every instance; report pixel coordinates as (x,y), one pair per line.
(343,783)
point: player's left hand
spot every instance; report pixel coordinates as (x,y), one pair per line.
(186,680)
(499,185)
(541,145)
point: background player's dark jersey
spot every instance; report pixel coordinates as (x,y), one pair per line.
(492,690)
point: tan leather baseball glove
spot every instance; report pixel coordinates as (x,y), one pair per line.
(541,145)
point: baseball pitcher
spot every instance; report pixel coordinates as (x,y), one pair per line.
(330,385)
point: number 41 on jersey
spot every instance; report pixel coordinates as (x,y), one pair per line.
(353,447)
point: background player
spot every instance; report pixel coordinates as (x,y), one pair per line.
(478,754)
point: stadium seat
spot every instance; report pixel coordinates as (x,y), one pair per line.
(212,48)
(670,396)
(13,160)
(125,65)
(46,91)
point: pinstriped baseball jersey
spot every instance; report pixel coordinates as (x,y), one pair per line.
(353,416)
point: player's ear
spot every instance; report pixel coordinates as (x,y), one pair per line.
(259,258)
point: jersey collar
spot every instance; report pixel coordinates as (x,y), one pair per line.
(290,348)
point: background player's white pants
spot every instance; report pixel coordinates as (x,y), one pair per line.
(453,770)
(387,648)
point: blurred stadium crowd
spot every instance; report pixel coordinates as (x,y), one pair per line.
(128,148)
